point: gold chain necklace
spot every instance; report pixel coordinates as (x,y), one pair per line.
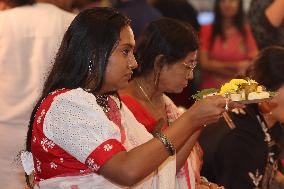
(149,100)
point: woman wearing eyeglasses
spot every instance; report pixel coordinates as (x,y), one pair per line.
(166,57)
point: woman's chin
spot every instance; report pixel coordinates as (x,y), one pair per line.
(177,91)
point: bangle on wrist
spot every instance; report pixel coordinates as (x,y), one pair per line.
(166,142)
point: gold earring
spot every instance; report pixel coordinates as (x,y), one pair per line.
(156,82)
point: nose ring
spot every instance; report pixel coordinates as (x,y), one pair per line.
(130,66)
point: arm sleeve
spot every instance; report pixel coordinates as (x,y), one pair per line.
(77,124)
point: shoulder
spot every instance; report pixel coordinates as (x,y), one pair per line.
(75,101)
(76,95)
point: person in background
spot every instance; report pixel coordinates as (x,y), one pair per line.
(183,11)
(82,136)
(30,34)
(166,62)
(178,9)
(81,5)
(62,4)
(242,149)
(227,46)
(139,11)
(267,22)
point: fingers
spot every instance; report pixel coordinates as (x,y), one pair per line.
(233,105)
(216,100)
(225,103)
(267,107)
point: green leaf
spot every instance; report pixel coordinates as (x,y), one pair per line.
(200,94)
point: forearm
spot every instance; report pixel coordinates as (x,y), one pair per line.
(275,13)
(186,149)
(128,168)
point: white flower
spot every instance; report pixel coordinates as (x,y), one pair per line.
(53,165)
(95,167)
(40,117)
(34,139)
(107,147)
(47,144)
(38,163)
(91,164)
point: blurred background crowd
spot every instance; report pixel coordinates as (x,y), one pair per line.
(231,34)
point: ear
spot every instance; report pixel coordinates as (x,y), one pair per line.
(159,63)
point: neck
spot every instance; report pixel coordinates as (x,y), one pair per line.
(148,89)
(227,22)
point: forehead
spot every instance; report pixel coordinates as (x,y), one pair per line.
(191,55)
(127,36)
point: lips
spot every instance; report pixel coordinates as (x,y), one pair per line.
(128,75)
(185,85)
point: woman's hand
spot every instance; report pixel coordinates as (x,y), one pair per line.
(210,109)
(202,186)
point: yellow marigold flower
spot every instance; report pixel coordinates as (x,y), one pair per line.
(238,81)
(252,81)
(228,88)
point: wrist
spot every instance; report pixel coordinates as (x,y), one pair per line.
(192,119)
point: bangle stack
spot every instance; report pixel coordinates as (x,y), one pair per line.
(167,143)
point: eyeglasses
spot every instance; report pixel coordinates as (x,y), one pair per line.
(190,65)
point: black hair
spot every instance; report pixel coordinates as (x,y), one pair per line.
(168,37)
(83,55)
(178,9)
(268,68)
(238,21)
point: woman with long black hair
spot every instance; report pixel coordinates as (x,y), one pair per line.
(227,46)
(82,136)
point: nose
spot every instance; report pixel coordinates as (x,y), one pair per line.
(189,75)
(133,62)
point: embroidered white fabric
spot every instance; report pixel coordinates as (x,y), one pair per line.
(181,183)
(164,177)
(136,134)
(78,124)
